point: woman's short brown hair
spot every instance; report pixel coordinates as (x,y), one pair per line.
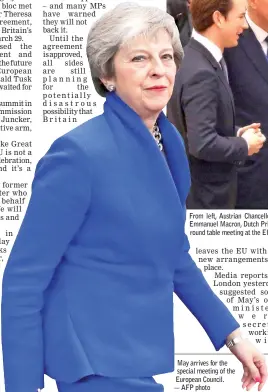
(202,12)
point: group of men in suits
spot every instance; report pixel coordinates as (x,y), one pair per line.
(220,100)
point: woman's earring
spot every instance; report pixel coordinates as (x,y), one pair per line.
(111,87)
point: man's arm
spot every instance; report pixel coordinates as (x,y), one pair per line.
(199,101)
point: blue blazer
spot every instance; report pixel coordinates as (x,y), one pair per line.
(248,76)
(88,288)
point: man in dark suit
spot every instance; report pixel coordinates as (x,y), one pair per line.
(248,76)
(202,105)
(179,9)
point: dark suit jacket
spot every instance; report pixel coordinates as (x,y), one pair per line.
(202,108)
(88,288)
(181,13)
(248,75)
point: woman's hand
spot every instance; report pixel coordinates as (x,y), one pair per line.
(255,370)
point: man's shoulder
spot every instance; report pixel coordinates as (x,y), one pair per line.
(245,41)
(194,66)
(195,60)
(229,52)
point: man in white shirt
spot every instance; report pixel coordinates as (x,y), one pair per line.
(248,76)
(202,105)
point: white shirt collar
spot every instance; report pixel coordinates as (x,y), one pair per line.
(257,30)
(209,45)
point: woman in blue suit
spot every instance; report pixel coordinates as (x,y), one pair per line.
(88,288)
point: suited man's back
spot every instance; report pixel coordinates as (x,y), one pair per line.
(180,11)
(202,109)
(248,75)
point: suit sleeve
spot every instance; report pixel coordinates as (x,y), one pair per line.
(193,290)
(59,201)
(199,100)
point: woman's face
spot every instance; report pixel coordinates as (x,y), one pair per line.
(144,73)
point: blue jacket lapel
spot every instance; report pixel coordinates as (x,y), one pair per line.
(175,156)
(170,171)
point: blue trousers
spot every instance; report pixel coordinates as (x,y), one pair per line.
(109,384)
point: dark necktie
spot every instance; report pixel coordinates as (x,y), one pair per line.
(224,68)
